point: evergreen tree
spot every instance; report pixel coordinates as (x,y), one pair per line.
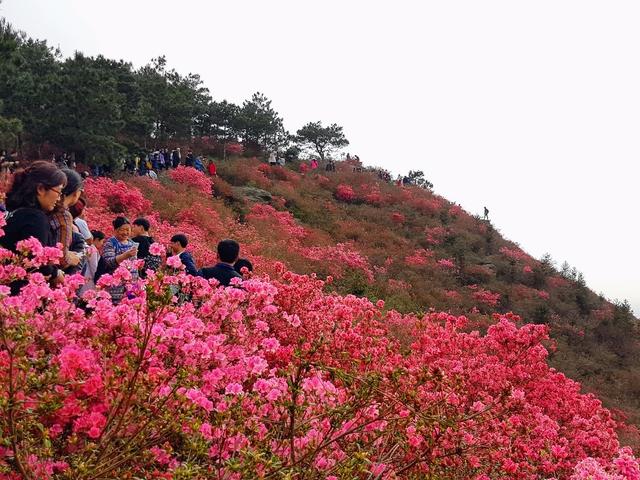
(323,140)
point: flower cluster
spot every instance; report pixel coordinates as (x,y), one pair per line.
(514,254)
(278,378)
(192,178)
(345,193)
(116,196)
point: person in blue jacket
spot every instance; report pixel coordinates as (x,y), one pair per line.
(178,246)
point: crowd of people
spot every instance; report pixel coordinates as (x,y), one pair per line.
(145,163)
(8,161)
(46,202)
(150,163)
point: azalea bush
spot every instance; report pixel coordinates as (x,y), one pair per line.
(278,378)
(192,178)
(345,193)
(275,380)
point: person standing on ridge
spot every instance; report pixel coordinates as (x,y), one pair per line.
(190,159)
(486,213)
(212,168)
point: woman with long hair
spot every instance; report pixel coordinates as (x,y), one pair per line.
(33,194)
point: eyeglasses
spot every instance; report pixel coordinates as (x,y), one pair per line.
(59,192)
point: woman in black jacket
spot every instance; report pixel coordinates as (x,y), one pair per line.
(33,194)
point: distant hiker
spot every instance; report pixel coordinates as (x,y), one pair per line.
(211,168)
(198,165)
(224,272)
(140,231)
(176,157)
(348,157)
(272,159)
(189,160)
(486,213)
(330,166)
(178,246)
(280,161)
(314,164)
(242,263)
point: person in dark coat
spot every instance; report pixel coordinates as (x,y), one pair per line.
(223,271)
(34,193)
(178,245)
(175,158)
(189,160)
(242,263)
(140,229)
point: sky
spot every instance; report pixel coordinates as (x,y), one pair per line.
(531,109)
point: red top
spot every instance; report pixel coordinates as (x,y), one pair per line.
(212,169)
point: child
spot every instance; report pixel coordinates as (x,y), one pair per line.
(91,264)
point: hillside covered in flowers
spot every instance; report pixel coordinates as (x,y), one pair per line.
(419,252)
(366,344)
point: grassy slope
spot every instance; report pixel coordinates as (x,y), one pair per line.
(597,342)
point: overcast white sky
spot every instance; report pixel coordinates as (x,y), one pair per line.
(529,108)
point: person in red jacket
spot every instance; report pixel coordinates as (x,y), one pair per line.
(212,168)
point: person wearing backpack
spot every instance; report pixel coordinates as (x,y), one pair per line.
(140,229)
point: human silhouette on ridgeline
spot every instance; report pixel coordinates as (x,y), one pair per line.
(486,213)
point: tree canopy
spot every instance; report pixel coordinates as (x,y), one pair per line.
(102,109)
(322,140)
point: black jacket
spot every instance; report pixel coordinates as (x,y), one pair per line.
(26,222)
(222,272)
(144,242)
(23,223)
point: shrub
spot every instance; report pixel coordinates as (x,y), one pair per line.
(192,178)
(345,193)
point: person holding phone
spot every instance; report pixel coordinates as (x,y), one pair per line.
(115,251)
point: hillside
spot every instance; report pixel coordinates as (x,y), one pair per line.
(289,376)
(416,251)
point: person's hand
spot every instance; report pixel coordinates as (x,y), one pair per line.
(132,252)
(73,258)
